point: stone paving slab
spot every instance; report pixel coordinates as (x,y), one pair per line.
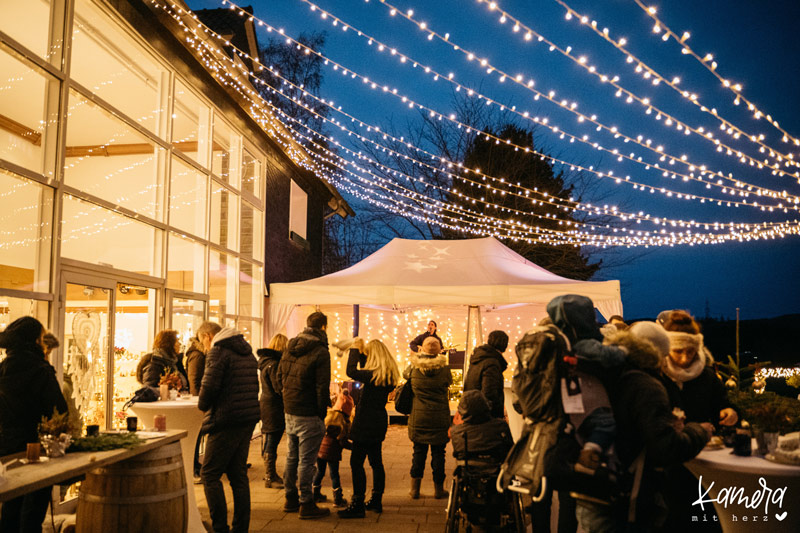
(401,514)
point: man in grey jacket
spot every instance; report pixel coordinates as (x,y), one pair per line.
(229,398)
(304,376)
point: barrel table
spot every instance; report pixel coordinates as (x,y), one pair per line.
(181,414)
(147,492)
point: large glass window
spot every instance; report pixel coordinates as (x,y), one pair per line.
(186,262)
(23,105)
(252,234)
(13,308)
(28,22)
(252,168)
(298,210)
(250,293)
(224,216)
(110,160)
(187,198)
(222,273)
(112,65)
(190,121)
(97,235)
(26,211)
(187,315)
(225,152)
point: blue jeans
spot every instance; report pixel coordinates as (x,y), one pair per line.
(271,441)
(226,453)
(304,434)
(322,464)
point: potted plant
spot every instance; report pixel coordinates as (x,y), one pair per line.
(769,419)
(55,434)
(170,381)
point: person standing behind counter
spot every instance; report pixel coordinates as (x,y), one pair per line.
(431,332)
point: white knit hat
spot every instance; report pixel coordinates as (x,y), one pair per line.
(654,333)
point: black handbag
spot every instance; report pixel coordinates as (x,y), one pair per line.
(404,398)
(145,394)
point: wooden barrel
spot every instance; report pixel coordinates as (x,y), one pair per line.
(146,493)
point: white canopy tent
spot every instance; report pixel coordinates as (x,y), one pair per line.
(438,277)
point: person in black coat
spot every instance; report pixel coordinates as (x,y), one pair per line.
(165,358)
(485,373)
(479,435)
(304,377)
(229,398)
(29,391)
(271,403)
(195,365)
(379,375)
(419,339)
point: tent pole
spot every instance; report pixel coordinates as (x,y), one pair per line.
(474,335)
(356,319)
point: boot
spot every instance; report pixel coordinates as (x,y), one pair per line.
(374,503)
(355,509)
(438,491)
(318,496)
(416,482)
(310,510)
(292,504)
(338,499)
(271,478)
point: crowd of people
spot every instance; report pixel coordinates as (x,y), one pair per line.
(663,403)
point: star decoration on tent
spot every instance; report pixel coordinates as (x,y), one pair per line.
(418,266)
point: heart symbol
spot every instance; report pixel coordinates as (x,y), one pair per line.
(781,516)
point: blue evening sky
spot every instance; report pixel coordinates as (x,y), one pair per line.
(754,43)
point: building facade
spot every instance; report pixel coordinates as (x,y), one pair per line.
(137,192)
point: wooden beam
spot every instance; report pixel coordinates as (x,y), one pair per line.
(20,130)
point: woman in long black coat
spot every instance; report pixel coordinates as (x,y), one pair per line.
(29,390)
(430,414)
(379,375)
(271,402)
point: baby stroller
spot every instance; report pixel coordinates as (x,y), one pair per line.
(474,502)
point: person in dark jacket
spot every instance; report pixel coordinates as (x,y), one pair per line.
(486,368)
(271,402)
(229,399)
(480,435)
(419,339)
(195,358)
(29,391)
(379,375)
(337,433)
(164,358)
(430,414)
(304,376)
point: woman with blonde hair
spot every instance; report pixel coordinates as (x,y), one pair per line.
(271,403)
(379,375)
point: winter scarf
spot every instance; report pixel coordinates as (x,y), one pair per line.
(679,339)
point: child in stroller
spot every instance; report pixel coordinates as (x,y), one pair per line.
(480,444)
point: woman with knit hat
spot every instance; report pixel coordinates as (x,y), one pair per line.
(379,374)
(693,385)
(29,390)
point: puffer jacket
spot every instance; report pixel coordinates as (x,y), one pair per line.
(270,401)
(485,374)
(195,365)
(371,420)
(29,390)
(430,413)
(480,435)
(229,391)
(304,375)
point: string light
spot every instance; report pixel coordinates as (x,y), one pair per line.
(647,73)
(708,62)
(745,188)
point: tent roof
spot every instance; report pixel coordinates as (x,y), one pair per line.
(434,272)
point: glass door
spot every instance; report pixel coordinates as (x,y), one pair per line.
(186,313)
(87,330)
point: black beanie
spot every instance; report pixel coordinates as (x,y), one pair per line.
(25,330)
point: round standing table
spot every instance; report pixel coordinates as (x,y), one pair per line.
(181,414)
(728,473)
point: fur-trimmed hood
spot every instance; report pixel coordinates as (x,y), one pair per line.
(428,363)
(641,353)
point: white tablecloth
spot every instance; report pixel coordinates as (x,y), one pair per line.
(181,414)
(724,473)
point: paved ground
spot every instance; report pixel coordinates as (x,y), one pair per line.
(400,512)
